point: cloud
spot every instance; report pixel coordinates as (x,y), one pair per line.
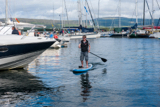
(47,9)
(58,11)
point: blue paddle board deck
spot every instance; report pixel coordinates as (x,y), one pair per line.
(83,69)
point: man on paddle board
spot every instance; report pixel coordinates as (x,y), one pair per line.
(85,48)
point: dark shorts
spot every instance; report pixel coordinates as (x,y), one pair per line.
(84,55)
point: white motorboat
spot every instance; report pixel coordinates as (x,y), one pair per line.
(18,51)
(89,35)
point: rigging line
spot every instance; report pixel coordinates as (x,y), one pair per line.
(66,12)
(114,16)
(10,16)
(84,12)
(94,13)
(2,12)
(133,14)
(53,22)
(158,4)
(69,11)
(90,13)
(4,20)
(149,9)
(90,8)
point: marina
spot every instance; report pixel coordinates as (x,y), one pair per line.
(80,53)
(130,77)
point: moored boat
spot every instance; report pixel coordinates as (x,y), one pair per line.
(122,34)
(89,35)
(17,51)
(139,34)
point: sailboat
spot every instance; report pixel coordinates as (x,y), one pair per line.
(155,33)
(119,32)
(140,33)
(81,28)
(63,39)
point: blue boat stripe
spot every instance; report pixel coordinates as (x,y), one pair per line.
(20,49)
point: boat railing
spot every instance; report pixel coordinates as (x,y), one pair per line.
(32,28)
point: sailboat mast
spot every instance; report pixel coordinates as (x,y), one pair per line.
(80,13)
(86,14)
(6,12)
(152,14)
(98,9)
(91,14)
(62,14)
(136,11)
(53,16)
(144,13)
(66,12)
(119,13)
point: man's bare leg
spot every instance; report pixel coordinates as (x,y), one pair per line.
(87,64)
(82,63)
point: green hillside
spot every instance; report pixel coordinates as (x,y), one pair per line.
(103,22)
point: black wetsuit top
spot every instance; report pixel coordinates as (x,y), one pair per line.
(84,46)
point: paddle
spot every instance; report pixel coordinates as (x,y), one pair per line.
(103,59)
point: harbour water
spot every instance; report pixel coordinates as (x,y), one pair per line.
(129,78)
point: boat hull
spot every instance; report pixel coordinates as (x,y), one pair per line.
(20,55)
(79,36)
(118,35)
(19,61)
(139,36)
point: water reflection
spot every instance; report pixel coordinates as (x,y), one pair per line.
(19,86)
(104,71)
(86,85)
(19,81)
(14,84)
(51,57)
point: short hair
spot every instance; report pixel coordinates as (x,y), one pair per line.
(84,36)
(13,27)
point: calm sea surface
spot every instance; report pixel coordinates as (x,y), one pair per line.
(130,77)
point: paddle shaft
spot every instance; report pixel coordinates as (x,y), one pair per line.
(95,54)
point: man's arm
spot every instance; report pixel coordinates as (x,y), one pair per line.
(89,48)
(79,46)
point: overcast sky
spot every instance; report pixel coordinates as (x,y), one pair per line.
(51,9)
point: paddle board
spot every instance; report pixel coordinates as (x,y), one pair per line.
(83,69)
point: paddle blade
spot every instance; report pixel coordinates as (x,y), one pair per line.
(104,60)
